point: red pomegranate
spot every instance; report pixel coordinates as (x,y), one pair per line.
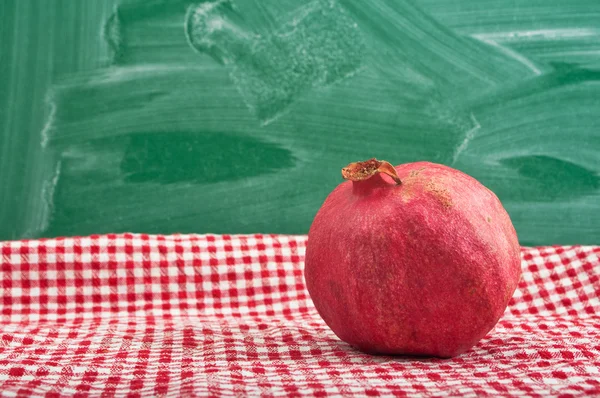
(420,259)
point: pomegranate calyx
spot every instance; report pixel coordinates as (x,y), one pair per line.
(360,171)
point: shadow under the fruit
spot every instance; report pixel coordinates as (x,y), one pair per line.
(356,355)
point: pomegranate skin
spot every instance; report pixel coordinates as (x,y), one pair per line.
(425,267)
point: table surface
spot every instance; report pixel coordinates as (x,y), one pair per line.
(229,315)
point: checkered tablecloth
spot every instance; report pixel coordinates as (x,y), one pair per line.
(196,315)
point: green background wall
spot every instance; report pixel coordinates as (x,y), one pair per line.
(235,116)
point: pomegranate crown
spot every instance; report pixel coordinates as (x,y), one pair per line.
(360,171)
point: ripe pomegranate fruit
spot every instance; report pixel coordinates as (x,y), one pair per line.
(417,259)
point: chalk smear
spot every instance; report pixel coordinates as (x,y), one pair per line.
(468,138)
(48,189)
(539,34)
(51,105)
(511,53)
(318,45)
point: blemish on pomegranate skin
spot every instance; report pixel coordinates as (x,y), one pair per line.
(406,193)
(488,219)
(407,190)
(440,193)
(415,173)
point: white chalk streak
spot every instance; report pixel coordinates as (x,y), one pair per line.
(513,54)
(49,100)
(540,34)
(128,73)
(48,197)
(203,20)
(468,137)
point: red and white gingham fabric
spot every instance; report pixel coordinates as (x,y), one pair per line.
(190,315)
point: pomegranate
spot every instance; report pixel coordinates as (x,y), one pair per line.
(417,259)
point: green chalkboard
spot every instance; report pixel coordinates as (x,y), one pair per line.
(235,116)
